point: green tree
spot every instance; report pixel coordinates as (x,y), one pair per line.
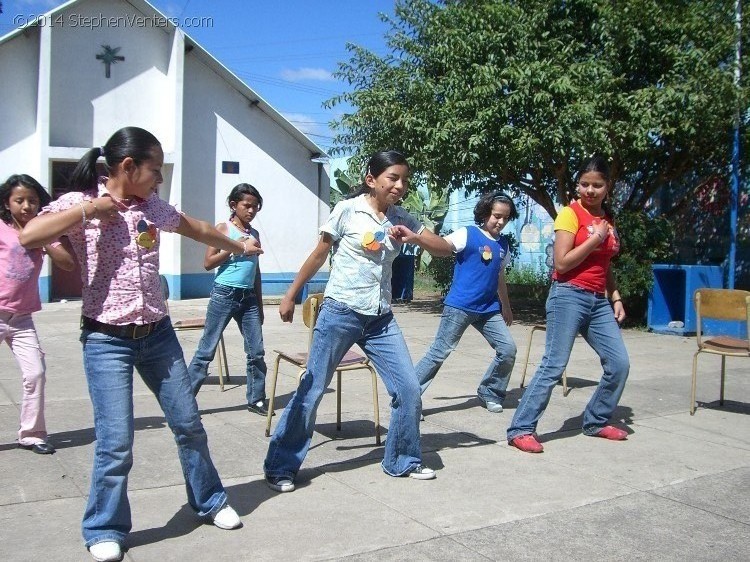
(505,93)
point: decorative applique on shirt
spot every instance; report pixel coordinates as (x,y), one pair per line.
(373,241)
(146,236)
(486,252)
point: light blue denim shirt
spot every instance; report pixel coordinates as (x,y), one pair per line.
(361,270)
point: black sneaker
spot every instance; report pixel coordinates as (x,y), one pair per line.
(258,407)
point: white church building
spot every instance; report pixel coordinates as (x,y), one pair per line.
(67,88)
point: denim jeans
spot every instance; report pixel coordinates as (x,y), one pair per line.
(337,329)
(242,305)
(108,362)
(491,325)
(572,310)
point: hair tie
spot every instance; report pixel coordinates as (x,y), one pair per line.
(101,151)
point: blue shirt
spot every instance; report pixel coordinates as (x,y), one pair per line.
(476,273)
(238,271)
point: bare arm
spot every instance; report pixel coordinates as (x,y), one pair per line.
(614,295)
(42,230)
(502,295)
(61,257)
(214,257)
(311,266)
(202,231)
(436,245)
(259,294)
(567,257)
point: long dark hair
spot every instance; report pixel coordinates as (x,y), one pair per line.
(134,142)
(483,208)
(238,194)
(378,163)
(26,181)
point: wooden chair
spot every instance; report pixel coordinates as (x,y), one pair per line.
(542,328)
(197,323)
(720,304)
(351,361)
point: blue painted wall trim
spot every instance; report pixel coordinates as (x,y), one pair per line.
(45,288)
(198,285)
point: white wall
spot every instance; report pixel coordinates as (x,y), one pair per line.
(85,106)
(19,143)
(221,124)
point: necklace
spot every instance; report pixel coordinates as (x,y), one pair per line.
(241,227)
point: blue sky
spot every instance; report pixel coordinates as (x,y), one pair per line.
(286,50)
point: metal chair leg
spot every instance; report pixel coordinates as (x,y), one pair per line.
(723,371)
(223,349)
(338,400)
(528,351)
(375,402)
(274,378)
(692,388)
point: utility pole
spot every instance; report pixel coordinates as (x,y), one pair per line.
(734,197)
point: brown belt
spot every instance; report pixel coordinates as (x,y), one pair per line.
(126,331)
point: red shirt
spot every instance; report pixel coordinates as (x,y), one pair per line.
(591,273)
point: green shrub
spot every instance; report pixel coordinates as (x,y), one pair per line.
(643,242)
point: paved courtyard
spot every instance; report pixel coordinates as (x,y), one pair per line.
(678,488)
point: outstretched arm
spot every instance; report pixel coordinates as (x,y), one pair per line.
(436,245)
(312,264)
(203,232)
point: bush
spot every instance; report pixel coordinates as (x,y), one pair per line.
(643,242)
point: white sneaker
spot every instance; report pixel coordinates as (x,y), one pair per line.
(106,551)
(494,407)
(227,518)
(422,473)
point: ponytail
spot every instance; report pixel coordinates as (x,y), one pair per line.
(128,142)
(84,175)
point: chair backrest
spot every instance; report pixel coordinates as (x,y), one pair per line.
(310,310)
(721,304)
(164,291)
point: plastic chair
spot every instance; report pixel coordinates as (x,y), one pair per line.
(197,323)
(720,304)
(543,328)
(350,362)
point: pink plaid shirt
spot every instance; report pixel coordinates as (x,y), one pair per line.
(120,278)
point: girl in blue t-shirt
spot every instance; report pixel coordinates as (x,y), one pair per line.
(237,295)
(478,297)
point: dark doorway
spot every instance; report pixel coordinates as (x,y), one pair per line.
(65,284)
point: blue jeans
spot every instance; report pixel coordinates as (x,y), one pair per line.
(108,362)
(453,324)
(338,328)
(242,305)
(572,310)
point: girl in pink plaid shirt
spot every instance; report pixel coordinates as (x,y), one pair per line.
(114,226)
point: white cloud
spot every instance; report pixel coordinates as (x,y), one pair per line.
(301,74)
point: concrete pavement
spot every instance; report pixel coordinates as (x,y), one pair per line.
(679,487)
